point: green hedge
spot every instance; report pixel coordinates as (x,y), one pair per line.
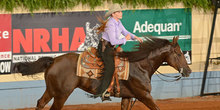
(54,5)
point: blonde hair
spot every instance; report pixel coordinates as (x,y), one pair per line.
(103,22)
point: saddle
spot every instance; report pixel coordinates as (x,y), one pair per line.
(89,65)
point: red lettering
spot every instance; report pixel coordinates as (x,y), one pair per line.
(18,38)
(78,38)
(41,37)
(63,39)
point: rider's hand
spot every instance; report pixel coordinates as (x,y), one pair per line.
(139,39)
(128,37)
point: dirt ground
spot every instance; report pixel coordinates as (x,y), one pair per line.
(190,103)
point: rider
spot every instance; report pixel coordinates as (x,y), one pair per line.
(111,30)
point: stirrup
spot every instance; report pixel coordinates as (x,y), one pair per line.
(106,96)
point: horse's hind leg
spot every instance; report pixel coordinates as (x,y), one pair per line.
(43,100)
(59,101)
(125,103)
(61,95)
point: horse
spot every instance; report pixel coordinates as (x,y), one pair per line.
(61,80)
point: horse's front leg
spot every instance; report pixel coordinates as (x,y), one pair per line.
(125,103)
(148,101)
(143,94)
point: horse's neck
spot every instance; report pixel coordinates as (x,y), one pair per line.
(154,62)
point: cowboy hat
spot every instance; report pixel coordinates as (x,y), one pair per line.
(113,8)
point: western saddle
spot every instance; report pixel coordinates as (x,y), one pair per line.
(89,60)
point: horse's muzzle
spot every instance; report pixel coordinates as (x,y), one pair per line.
(185,71)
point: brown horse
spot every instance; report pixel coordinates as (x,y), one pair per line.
(61,79)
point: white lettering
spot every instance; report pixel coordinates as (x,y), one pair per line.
(163,28)
(158,27)
(137,27)
(170,27)
(4,34)
(5,67)
(150,28)
(177,25)
(144,27)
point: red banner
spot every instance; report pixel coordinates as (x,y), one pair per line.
(5,33)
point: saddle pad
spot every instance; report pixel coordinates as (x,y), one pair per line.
(83,70)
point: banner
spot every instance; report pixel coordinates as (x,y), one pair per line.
(5,43)
(161,23)
(52,34)
(26,37)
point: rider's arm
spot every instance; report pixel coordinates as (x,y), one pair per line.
(125,32)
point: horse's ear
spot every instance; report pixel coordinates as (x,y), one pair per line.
(175,39)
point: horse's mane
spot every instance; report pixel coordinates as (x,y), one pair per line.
(142,50)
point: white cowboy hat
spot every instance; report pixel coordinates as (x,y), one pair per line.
(113,8)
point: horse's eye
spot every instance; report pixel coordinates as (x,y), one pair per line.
(179,55)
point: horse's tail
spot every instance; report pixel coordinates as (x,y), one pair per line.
(30,68)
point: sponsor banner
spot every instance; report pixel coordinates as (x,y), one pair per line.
(165,23)
(54,32)
(5,66)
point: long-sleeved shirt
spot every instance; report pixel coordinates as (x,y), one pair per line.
(113,31)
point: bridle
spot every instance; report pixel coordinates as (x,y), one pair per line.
(177,77)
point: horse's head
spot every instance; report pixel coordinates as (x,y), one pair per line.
(176,59)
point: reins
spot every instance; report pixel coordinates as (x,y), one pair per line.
(177,77)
